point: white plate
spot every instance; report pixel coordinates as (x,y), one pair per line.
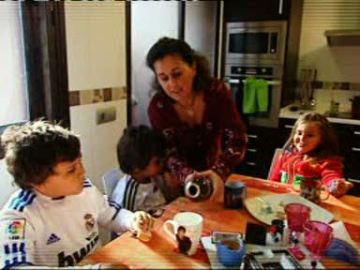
(256,207)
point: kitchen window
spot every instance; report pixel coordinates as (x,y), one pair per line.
(33,73)
(13,83)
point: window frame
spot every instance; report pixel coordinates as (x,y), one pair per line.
(46,61)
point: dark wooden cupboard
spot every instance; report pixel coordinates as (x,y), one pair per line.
(256,10)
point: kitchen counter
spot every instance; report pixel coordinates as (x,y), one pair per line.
(344,118)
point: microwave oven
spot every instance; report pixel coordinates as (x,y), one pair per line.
(254,42)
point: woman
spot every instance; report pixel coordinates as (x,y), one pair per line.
(203,129)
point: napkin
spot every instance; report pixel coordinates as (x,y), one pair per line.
(342,247)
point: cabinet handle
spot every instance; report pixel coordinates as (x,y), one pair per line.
(233,81)
(280,7)
(250,163)
(252,136)
(289,126)
(252,150)
(356,132)
(355,149)
(354,180)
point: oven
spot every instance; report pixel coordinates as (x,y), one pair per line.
(235,74)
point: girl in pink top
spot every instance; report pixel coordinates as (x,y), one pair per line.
(312,142)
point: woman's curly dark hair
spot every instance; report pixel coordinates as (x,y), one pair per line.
(32,150)
(169,46)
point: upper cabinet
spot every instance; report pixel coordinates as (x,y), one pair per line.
(271,10)
(256,10)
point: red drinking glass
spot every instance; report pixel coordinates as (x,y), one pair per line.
(296,215)
(318,236)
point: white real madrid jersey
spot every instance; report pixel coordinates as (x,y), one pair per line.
(38,230)
(136,196)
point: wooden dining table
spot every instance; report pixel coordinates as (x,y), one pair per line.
(161,251)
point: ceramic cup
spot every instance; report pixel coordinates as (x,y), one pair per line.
(313,190)
(185,228)
(230,252)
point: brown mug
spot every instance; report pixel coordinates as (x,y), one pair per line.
(311,189)
(234,195)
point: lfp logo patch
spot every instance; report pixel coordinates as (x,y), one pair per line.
(15,230)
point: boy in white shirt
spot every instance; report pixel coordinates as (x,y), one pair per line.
(140,151)
(53,219)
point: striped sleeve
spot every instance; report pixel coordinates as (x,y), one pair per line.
(111,215)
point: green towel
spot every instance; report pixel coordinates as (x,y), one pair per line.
(255,95)
(249,95)
(262,94)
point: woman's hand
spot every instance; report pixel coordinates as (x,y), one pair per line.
(142,221)
(218,184)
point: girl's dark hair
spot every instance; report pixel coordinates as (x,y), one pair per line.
(137,146)
(169,46)
(32,150)
(329,144)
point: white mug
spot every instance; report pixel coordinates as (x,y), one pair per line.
(185,228)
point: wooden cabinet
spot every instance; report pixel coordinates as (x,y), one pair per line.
(256,10)
(261,148)
(349,145)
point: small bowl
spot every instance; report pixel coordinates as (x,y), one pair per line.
(229,255)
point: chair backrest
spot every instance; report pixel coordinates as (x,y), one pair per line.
(277,153)
(110,179)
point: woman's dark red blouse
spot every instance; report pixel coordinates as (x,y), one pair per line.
(217,143)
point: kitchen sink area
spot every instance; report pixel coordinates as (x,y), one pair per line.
(293,111)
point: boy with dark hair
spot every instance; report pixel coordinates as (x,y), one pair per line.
(53,219)
(140,151)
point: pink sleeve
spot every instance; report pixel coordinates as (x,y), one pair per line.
(332,169)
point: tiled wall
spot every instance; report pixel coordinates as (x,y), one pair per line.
(84,97)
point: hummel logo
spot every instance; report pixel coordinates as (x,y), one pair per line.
(52,239)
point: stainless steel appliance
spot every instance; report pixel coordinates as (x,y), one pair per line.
(256,41)
(235,76)
(256,49)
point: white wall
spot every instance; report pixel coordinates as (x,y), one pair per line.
(95,36)
(12,81)
(96,55)
(200,28)
(7,186)
(340,64)
(150,20)
(13,99)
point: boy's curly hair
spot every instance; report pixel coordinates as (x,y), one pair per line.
(32,150)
